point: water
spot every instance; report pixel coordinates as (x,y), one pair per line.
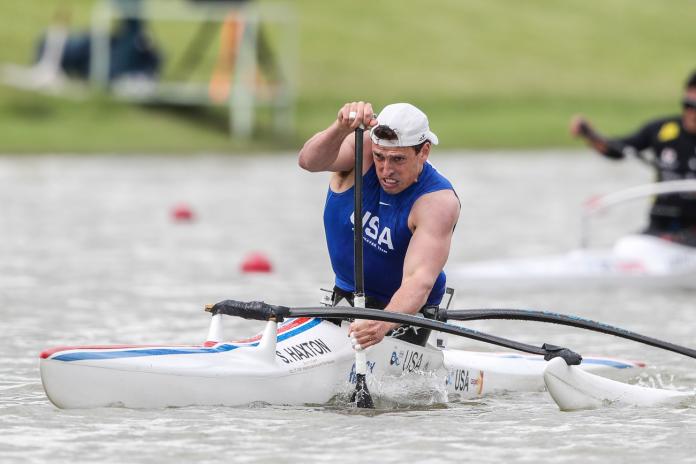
(89,254)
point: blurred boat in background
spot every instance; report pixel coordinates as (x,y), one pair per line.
(634,260)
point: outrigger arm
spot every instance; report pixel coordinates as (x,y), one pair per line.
(261,311)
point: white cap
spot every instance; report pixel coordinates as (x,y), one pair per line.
(409,123)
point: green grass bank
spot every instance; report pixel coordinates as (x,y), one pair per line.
(489,73)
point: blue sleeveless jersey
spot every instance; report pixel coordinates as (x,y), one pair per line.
(385,233)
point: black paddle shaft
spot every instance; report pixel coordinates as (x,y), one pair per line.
(357,215)
(361,395)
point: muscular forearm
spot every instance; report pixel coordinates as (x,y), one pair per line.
(408,299)
(411,296)
(321,151)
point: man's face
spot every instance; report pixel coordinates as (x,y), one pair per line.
(398,167)
(689,110)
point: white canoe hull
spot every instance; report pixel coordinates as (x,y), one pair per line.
(639,260)
(573,389)
(308,362)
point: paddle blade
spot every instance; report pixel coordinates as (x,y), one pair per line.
(361,395)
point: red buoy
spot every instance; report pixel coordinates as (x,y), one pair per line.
(182,212)
(256,262)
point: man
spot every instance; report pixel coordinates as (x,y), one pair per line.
(673,143)
(409,209)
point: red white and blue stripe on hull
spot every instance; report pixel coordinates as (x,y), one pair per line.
(292,328)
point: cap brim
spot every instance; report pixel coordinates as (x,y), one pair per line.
(433,138)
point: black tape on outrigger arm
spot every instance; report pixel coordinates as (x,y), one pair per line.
(256,310)
(569,356)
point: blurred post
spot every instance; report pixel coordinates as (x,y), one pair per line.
(99,52)
(242,97)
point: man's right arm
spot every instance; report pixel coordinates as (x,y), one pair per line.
(332,149)
(328,150)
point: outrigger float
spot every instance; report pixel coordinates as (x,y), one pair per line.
(302,358)
(637,260)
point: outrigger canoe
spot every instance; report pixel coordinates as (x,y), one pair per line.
(303,360)
(635,260)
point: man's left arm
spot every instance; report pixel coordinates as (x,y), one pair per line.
(432,219)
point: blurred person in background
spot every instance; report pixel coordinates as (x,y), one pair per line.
(132,51)
(672,141)
(410,211)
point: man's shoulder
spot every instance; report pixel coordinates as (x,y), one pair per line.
(663,130)
(439,202)
(434,177)
(437,212)
(656,124)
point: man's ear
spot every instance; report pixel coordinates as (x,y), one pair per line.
(425,151)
